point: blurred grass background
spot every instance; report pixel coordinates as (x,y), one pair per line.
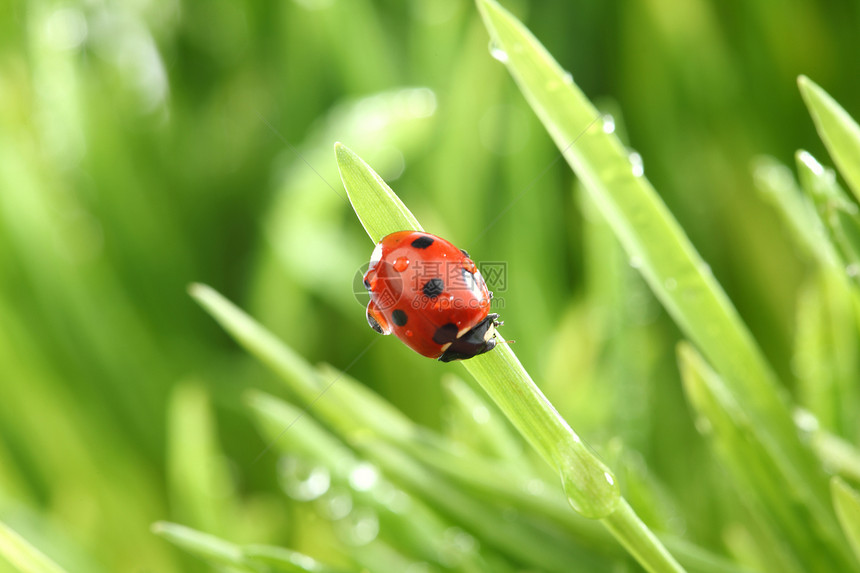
(146,145)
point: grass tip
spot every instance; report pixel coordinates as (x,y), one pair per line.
(198,290)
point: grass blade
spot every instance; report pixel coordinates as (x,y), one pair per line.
(839,132)
(589,484)
(666,257)
(285,560)
(207,547)
(23,556)
(368,193)
(590,487)
(758,480)
(846,500)
(837,212)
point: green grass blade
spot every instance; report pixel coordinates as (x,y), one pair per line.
(369,194)
(841,456)
(777,186)
(477,424)
(839,132)
(589,484)
(205,546)
(590,487)
(23,556)
(284,560)
(825,359)
(838,214)
(757,475)
(846,500)
(659,247)
(199,482)
(258,341)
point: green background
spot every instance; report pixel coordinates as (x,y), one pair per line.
(146,145)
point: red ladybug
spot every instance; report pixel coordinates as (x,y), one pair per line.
(431,295)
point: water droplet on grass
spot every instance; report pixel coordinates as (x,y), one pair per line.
(498,53)
(363,477)
(301,479)
(337,504)
(360,527)
(608,124)
(636,164)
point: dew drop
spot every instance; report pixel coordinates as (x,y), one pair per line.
(498,53)
(636,164)
(302,480)
(567,78)
(363,477)
(853,270)
(811,163)
(408,333)
(337,504)
(636,262)
(805,420)
(608,124)
(670,284)
(360,527)
(400,264)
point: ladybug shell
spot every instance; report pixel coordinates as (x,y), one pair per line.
(426,291)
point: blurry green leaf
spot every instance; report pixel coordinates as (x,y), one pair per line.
(840,456)
(846,500)
(839,132)
(285,560)
(259,342)
(776,183)
(478,424)
(26,558)
(737,438)
(825,357)
(837,212)
(205,546)
(200,488)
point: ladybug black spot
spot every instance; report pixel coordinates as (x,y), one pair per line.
(367,284)
(445,334)
(422,242)
(399,317)
(433,287)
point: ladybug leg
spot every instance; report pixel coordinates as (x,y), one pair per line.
(376,320)
(482,338)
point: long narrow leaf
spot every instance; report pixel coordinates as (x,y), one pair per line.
(666,257)
(837,129)
(26,558)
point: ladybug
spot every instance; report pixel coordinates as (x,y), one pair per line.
(431,295)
